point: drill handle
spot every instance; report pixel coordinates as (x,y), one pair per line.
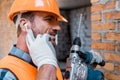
(102,63)
(87,58)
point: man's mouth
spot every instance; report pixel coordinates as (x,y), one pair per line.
(53,37)
(53,40)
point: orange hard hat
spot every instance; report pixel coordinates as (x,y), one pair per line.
(21,6)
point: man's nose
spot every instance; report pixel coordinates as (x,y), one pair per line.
(57,27)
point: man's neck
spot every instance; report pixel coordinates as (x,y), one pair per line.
(21,43)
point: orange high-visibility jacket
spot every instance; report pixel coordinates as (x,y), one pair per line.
(22,69)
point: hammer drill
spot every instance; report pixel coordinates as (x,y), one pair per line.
(78,64)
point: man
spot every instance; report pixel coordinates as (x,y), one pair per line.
(37,25)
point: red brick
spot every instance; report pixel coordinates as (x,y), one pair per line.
(112,57)
(103,26)
(103,46)
(96,17)
(109,66)
(112,36)
(119,25)
(118,47)
(96,36)
(111,76)
(97,7)
(110,5)
(100,7)
(112,15)
(118,68)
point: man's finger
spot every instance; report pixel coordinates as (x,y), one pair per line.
(30,37)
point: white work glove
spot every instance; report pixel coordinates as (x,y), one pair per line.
(96,57)
(41,49)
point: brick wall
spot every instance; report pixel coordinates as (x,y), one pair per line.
(105,24)
(7,29)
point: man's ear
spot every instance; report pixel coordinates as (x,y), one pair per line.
(24,24)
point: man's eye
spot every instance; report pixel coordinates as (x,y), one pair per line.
(48,19)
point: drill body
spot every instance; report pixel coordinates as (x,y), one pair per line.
(78,64)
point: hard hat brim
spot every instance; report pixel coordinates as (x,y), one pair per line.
(61,18)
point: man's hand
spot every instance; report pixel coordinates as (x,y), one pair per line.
(96,57)
(41,49)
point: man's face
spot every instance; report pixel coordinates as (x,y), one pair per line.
(45,23)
